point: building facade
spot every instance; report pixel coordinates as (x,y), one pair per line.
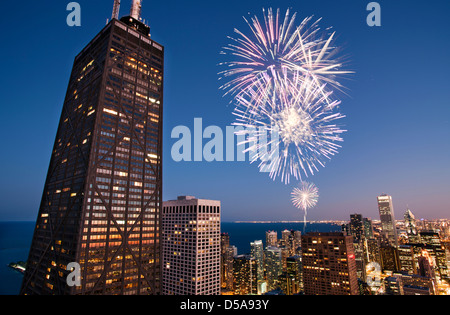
(191,246)
(101,203)
(329,266)
(245,275)
(387,218)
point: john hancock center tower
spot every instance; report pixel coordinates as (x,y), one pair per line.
(102,198)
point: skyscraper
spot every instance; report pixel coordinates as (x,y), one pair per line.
(291,281)
(273,266)
(244,274)
(368,228)
(329,266)
(411,227)
(406,259)
(271,238)
(356,227)
(387,218)
(359,243)
(257,252)
(436,250)
(102,196)
(191,246)
(226,264)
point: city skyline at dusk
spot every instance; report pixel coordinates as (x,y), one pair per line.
(396,106)
(225,153)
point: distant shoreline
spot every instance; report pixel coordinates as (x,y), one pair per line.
(337,222)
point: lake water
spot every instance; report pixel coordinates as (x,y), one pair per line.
(241,234)
(15,241)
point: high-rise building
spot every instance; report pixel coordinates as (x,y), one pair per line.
(390,260)
(291,281)
(291,240)
(224,260)
(368,228)
(373,251)
(426,266)
(356,227)
(417,285)
(437,252)
(271,238)
(329,266)
(244,270)
(406,259)
(273,266)
(387,218)
(257,252)
(392,286)
(227,265)
(101,202)
(411,227)
(191,246)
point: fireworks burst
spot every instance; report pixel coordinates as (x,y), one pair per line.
(278,51)
(282,80)
(303,129)
(305,197)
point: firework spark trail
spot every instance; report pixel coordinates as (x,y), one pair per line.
(305,197)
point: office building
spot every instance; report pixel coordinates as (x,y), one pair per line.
(191,246)
(389,258)
(373,251)
(245,275)
(257,252)
(273,266)
(271,238)
(411,227)
(387,217)
(368,228)
(101,202)
(406,259)
(436,250)
(290,281)
(356,227)
(329,266)
(226,262)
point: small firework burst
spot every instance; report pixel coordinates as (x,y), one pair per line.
(305,196)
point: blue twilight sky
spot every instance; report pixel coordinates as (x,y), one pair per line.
(397,108)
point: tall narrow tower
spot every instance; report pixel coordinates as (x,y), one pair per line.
(411,227)
(116,9)
(135,11)
(102,197)
(387,218)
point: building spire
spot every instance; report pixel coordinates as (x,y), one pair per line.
(135,12)
(116,9)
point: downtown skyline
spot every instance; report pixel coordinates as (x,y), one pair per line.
(397,106)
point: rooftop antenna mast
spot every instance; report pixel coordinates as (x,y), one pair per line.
(116,9)
(135,12)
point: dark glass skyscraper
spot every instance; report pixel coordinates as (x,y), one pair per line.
(102,198)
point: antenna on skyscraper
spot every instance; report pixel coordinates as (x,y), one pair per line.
(135,12)
(116,9)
